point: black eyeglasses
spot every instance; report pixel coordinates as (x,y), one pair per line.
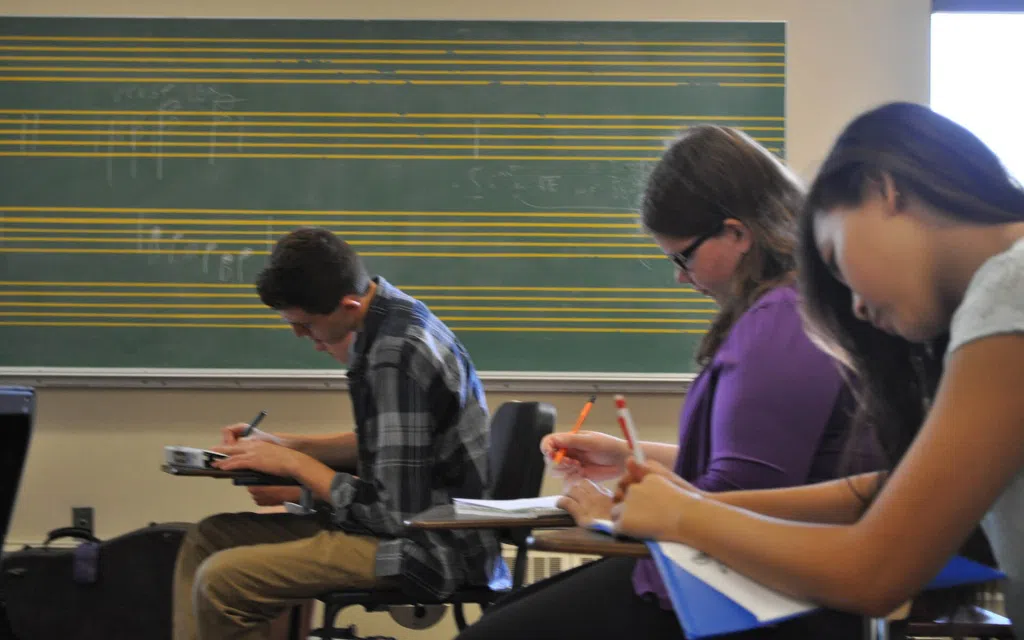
(682,259)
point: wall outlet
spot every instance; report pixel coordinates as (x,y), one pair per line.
(81,517)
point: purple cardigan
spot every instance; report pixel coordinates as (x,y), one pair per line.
(770,410)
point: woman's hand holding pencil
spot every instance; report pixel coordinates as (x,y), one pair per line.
(591,454)
(579,423)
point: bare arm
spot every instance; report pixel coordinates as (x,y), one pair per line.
(967,452)
(661,451)
(840,501)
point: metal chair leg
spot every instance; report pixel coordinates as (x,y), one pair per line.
(327,630)
(519,573)
(460,616)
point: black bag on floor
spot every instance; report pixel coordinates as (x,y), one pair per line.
(99,590)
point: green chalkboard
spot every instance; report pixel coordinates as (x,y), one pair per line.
(491,169)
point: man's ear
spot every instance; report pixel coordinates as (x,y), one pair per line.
(351,302)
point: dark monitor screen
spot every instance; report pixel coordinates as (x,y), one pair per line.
(17,411)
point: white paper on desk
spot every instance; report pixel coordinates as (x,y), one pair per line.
(764,603)
(544,505)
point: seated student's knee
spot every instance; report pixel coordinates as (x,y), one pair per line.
(223,581)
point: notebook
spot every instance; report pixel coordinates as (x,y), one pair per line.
(710,599)
(523,507)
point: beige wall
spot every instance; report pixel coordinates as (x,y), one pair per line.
(102,448)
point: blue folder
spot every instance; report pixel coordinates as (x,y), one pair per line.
(705,612)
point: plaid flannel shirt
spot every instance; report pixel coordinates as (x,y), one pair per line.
(422,436)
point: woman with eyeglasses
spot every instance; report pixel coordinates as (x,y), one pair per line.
(768,408)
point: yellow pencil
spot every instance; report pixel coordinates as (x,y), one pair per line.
(579,423)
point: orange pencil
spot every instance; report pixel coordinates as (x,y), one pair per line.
(579,423)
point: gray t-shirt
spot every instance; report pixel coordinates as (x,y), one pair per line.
(994,305)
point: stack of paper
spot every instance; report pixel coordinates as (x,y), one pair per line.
(525,507)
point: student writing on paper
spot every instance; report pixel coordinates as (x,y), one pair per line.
(769,409)
(912,249)
(420,439)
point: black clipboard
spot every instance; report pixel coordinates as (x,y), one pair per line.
(240,477)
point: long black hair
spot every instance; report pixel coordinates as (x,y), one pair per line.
(941,164)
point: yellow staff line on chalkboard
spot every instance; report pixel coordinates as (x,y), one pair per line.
(126,294)
(319,212)
(329,145)
(456,234)
(230,80)
(317,156)
(289,223)
(322,51)
(300,134)
(392,254)
(350,125)
(431,287)
(686,43)
(363,243)
(506,309)
(301,70)
(336,61)
(529,63)
(375,254)
(540,83)
(343,114)
(260,316)
(517,72)
(399,52)
(583,52)
(210,325)
(417,72)
(189,294)
(356,82)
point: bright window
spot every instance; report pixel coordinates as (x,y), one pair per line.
(977,78)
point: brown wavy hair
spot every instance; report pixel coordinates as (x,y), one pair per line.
(710,174)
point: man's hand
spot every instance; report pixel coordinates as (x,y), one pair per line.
(262,456)
(232,434)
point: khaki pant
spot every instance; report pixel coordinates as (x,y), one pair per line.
(236,572)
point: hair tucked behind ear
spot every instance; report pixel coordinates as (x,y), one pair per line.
(712,173)
(932,159)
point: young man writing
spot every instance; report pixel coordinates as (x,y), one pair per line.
(421,438)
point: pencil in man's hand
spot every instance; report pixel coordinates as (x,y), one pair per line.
(579,423)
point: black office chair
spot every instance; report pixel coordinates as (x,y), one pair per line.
(517,467)
(17,415)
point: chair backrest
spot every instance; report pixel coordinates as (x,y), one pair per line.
(17,414)
(517,465)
